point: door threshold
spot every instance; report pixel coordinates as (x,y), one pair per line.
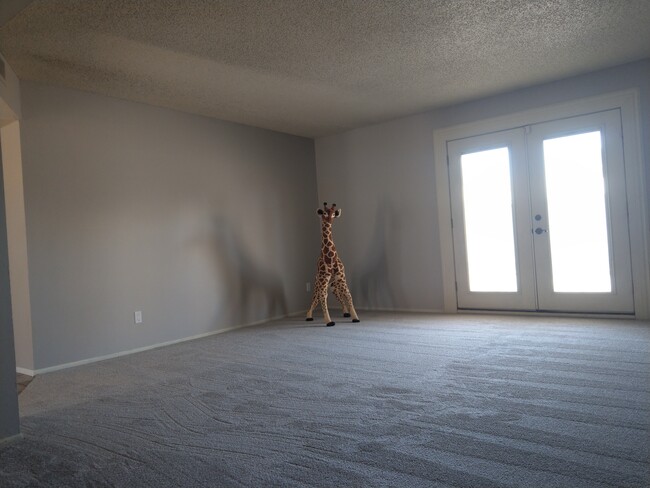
(549,313)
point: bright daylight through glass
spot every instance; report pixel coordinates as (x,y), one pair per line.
(489,232)
(577,213)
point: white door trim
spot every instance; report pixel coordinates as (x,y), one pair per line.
(628,102)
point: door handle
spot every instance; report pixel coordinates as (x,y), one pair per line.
(539,231)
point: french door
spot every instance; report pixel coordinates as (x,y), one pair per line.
(539,217)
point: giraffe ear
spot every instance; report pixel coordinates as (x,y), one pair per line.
(319,211)
(337,213)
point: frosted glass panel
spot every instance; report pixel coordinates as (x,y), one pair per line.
(489,230)
(577,214)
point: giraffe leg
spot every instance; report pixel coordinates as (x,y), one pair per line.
(339,296)
(314,302)
(326,315)
(338,289)
(353,312)
(321,279)
(342,290)
(320,297)
(318,285)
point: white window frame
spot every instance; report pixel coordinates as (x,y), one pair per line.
(628,103)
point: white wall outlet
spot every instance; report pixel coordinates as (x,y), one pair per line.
(138,317)
(308,286)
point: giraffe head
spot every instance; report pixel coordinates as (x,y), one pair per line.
(328,214)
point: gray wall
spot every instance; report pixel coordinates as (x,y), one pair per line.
(9,425)
(383,178)
(201,224)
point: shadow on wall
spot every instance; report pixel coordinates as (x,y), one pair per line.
(253,291)
(376,288)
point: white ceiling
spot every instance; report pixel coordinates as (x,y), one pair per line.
(317,67)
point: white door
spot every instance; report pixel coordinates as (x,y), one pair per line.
(540,218)
(491,222)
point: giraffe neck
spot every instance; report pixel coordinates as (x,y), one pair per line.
(327,248)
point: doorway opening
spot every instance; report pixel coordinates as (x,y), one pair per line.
(546,211)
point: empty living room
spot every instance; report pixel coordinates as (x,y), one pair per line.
(324,243)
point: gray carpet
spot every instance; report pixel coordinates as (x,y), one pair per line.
(398,400)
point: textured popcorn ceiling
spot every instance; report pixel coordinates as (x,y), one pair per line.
(316,67)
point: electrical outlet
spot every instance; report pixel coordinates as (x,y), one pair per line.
(138,317)
(308,286)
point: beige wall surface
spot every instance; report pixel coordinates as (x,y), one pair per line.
(200,224)
(383,178)
(17,243)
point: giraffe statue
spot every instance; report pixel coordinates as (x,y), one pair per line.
(330,271)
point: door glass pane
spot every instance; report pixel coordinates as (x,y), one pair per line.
(489,230)
(577,213)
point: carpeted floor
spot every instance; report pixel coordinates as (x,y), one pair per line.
(397,400)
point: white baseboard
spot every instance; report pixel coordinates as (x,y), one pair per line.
(524,313)
(73,364)
(296,314)
(337,310)
(28,372)
(400,310)
(81,362)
